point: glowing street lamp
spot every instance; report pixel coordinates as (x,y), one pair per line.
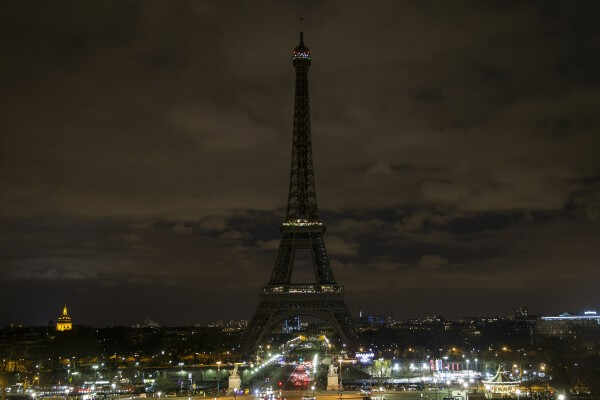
(218,377)
(341,386)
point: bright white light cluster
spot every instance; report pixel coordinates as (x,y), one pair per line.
(269,361)
(302,54)
(302,222)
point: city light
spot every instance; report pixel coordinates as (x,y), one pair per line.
(365,357)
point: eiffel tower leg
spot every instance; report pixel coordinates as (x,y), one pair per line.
(256,328)
(264,321)
(335,323)
(345,326)
(323,272)
(285,258)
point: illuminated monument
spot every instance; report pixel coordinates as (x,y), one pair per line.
(302,233)
(64,322)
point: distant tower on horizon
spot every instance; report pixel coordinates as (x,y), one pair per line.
(64,322)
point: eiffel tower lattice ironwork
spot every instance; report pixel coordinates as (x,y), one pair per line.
(302,230)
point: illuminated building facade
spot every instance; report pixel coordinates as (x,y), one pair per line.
(302,234)
(64,322)
(566,324)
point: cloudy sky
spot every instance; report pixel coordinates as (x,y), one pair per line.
(145,154)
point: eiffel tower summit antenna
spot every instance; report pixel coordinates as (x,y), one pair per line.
(302,229)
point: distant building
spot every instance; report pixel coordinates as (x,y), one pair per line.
(521,313)
(64,322)
(235,325)
(291,325)
(148,323)
(227,326)
(567,324)
(370,320)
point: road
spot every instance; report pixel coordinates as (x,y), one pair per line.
(299,394)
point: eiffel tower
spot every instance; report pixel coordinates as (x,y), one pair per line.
(301,230)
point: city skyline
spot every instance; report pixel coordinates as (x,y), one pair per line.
(148,144)
(368,317)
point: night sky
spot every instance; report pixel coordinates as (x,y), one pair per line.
(145,154)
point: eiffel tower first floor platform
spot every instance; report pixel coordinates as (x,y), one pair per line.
(324,302)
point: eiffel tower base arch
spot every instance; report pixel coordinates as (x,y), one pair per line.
(274,309)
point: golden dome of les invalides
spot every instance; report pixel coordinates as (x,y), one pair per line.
(64,322)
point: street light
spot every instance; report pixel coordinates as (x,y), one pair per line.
(468,370)
(218,377)
(341,387)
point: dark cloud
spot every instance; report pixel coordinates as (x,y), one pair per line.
(145,154)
